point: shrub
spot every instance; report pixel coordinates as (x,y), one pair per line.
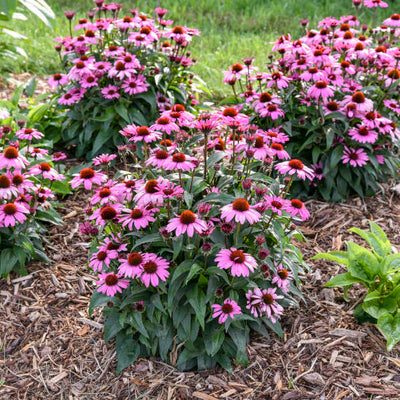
(28,183)
(14,9)
(335,91)
(119,71)
(379,271)
(194,249)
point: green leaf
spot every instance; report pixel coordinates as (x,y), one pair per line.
(147,239)
(381,247)
(61,187)
(362,263)
(194,270)
(196,299)
(8,7)
(341,280)
(8,261)
(136,321)
(98,300)
(111,326)
(390,327)
(340,257)
(379,306)
(127,349)
(36,113)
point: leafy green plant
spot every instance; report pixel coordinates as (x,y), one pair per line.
(14,9)
(378,270)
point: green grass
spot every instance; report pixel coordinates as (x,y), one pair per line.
(231,30)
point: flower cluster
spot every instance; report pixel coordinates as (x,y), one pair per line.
(199,231)
(26,178)
(127,68)
(335,92)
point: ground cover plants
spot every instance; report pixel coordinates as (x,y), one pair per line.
(120,69)
(193,240)
(379,271)
(29,182)
(335,91)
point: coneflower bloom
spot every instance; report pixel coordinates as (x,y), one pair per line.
(135,85)
(360,102)
(276,204)
(37,153)
(11,158)
(277,150)
(239,263)
(141,134)
(108,193)
(110,92)
(394,21)
(6,189)
(29,134)
(295,167)
(131,267)
(320,90)
(282,278)
(296,207)
(12,212)
(158,158)
(154,269)
(375,3)
(169,189)
(88,177)
(47,171)
(69,98)
(20,181)
(106,214)
(362,134)
(392,105)
(187,222)
(235,72)
(356,158)
(110,283)
(88,81)
(102,258)
(180,162)
(164,124)
(58,79)
(241,211)
(263,302)
(392,76)
(104,159)
(147,192)
(228,309)
(140,217)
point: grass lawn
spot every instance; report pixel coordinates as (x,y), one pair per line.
(231,30)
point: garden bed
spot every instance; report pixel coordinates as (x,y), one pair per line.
(52,349)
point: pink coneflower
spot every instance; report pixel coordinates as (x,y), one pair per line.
(228,309)
(158,158)
(29,134)
(58,156)
(263,302)
(120,70)
(10,158)
(360,102)
(392,76)
(272,111)
(104,159)
(240,263)
(276,204)
(131,267)
(102,258)
(392,105)
(153,269)
(46,170)
(394,21)
(88,81)
(320,90)
(330,107)
(363,135)
(88,177)
(241,211)
(277,150)
(297,207)
(6,189)
(106,194)
(318,170)
(135,85)
(180,162)
(110,92)
(140,217)
(12,212)
(356,158)
(107,213)
(282,278)
(140,134)
(188,222)
(69,98)
(235,72)
(375,3)
(169,190)
(37,153)
(110,283)
(147,192)
(295,167)
(164,124)
(58,79)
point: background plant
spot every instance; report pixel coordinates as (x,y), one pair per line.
(120,70)
(379,272)
(15,10)
(335,92)
(193,240)
(29,181)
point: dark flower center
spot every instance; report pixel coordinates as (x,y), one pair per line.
(108,213)
(332,106)
(178,30)
(277,146)
(268,299)
(86,173)
(187,217)
(150,267)
(394,74)
(4,182)
(10,209)
(237,67)
(283,274)
(321,84)
(265,97)
(363,131)
(101,255)
(45,166)
(135,259)
(143,131)
(161,155)
(163,121)
(230,112)
(227,308)
(11,153)
(17,180)
(136,213)
(151,186)
(238,257)
(104,192)
(179,157)
(259,143)
(178,108)
(276,204)
(240,205)
(297,203)
(120,66)
(296,164)
(111,280)
(358,97)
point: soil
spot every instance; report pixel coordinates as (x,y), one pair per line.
(51,349)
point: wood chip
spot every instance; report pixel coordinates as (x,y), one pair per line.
(59,377)
(203,396)
(347,333)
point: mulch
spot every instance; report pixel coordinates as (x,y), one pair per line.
(51,349)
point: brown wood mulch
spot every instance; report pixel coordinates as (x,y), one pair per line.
(51,349)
